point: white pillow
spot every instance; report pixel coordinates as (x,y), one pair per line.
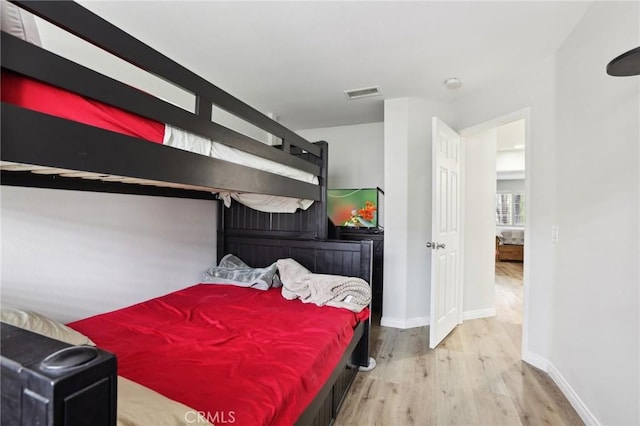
(18,22)
(41,324)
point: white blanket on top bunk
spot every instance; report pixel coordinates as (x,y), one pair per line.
(181,139)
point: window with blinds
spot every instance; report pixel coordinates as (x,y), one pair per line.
(518,209)
(510,209)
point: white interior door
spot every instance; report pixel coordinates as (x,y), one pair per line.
(445,233)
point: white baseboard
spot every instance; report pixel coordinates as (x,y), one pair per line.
(536,360)
(581,408)
(545,365)
(404,322)
(479,313)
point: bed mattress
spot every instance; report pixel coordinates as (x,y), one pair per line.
(228,351)
(38,96)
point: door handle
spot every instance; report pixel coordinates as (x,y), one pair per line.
(435,246)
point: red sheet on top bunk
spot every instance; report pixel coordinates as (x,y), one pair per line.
(222,349)
(35,95)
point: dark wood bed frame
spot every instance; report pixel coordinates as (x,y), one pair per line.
(43,140)
(351,258)
(31,138)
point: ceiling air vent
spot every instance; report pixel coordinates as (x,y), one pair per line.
(362,93)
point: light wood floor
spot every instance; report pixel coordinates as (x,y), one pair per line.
(474,377)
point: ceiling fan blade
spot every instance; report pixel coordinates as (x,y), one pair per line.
(625,65)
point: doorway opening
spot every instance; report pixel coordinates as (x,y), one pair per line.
(495,202)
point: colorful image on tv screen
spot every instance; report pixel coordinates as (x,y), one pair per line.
(353,207)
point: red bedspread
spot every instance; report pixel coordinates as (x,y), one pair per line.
(222,349)
(35,95)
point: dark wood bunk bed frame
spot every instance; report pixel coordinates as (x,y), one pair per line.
(30,138)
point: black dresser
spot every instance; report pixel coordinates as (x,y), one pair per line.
(377,236)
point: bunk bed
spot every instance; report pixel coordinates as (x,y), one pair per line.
(50,149)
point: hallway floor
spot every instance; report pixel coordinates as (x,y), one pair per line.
(474,377)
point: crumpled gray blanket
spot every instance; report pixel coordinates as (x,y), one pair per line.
(298,282)
(232,270)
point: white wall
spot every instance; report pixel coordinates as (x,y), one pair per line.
(224,118)
(396,182)
(510,185)
(582,300)
(86,54)
(73,254)
(507,161)
(596,303)
(407,183)
(356,154)
(533,88)
(479,224)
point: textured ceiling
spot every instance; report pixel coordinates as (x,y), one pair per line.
(294,59)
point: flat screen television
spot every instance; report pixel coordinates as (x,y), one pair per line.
(354,208)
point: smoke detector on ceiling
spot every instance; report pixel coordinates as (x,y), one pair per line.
(362,93)
(453,83)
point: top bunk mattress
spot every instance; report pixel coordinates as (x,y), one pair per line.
(35,95)
(38,96)
(219,348)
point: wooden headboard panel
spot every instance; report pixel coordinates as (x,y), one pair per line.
(304,224)
(348,258)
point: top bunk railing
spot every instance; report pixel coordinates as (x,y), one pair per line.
(30,60)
